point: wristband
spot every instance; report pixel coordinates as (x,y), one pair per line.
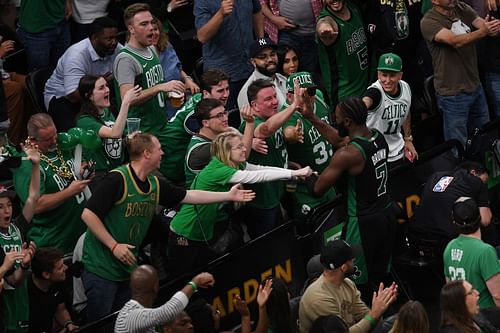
(408,138)
(370,319)
(193,285)
(114,247)
(66,324)
(25,268)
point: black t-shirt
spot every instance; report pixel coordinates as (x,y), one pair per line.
(43,306)
(111,188)
(442,189)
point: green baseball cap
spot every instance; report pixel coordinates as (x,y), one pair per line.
(305,80)
(390,62)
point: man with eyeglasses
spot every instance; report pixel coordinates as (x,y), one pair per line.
(265,60)
(213,120)
(468,258)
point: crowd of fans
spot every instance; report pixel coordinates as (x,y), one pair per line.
(292,102)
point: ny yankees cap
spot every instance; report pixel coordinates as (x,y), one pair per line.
(6,193)
(465,211)
(260,44)
(304,78)
(390,62)
(336,253)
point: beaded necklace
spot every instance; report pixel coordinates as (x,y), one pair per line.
(63,170)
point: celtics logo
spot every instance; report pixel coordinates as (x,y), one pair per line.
(389,61)
(112,147)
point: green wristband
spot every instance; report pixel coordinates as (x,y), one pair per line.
(193,285)
(370,319)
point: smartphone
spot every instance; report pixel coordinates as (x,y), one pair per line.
(89,170)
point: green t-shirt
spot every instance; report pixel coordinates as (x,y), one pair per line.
(178,135)
(315,152)
(128,222)
(268,194)
(40,15)
(468,258)
(59,227)
(214,177)
(345,65)
(15,301)
(109,156)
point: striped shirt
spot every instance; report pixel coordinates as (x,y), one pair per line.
(133,317)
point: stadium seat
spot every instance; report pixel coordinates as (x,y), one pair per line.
(198,71)
(430,95)
(35,83)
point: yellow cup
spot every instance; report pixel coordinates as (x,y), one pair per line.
(176,98)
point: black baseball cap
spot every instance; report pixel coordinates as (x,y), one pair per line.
(6,193)
(336,253)
(261,44)
(465,211)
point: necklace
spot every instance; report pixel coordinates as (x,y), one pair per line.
(63,170)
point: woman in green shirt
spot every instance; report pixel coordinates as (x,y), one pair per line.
(95,115)
(192,229)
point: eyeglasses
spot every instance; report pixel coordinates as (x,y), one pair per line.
(264,56)
(220,115)
(471,292)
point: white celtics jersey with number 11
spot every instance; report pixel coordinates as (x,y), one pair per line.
(388,117)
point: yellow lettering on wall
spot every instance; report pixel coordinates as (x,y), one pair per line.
(250,289)
(266,274)
(411,201)
(230,296)
(285,274)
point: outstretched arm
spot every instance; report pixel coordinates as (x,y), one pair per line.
(33,155)
(207,197)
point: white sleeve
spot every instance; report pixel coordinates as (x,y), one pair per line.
(258,174)
(139,320)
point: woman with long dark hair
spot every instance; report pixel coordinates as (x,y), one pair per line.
(288,60)
(412,318)
(278,309)
(459,304)
(95,115)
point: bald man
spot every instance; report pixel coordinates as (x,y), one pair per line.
(137,314)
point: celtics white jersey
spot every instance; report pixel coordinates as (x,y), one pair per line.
(388,117)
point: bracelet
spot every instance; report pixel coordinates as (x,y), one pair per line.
(193,285)
(66,324)
(370,319)
(408,138)
(114,247)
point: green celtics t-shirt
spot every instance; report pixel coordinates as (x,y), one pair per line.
(109,155)
(61,226)
(128,222)
(268,194)
(468,258)
(15,301)
(214,177)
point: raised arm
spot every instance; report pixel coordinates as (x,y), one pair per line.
(246,114)
(116,131)
(210,29)
(33,155)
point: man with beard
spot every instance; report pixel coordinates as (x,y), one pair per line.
(138,64)
(334,293)
(343,50)
(93,56)
(264,58)
(57,220)
(368,212)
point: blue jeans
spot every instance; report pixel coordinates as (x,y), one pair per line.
(306,48)
(103,296)
(492,86)
(463,113)
(45,48)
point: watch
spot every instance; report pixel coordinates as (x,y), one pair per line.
(408,138)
